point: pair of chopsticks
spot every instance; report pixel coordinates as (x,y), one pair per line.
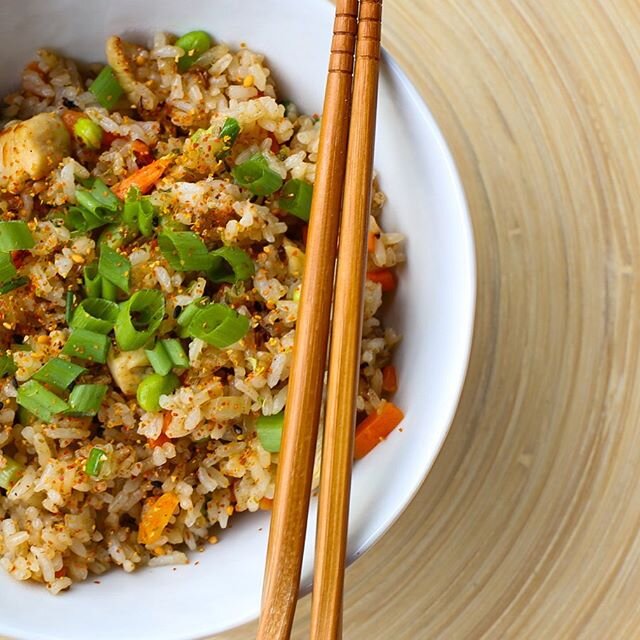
(343,182)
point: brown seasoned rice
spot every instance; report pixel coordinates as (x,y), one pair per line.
(57,524)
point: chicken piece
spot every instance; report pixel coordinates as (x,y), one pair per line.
(127,369)
(31,149)
(119,57)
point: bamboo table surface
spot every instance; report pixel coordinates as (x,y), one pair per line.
(528,525)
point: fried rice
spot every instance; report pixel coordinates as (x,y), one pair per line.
(59,523)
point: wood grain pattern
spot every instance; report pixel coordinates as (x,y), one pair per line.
(304,399)
(528,525)
(346,335)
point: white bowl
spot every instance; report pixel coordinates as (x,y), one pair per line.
(433,309)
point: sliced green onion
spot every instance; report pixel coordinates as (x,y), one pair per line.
(15,235)
(194,44)
(103,195)
(184,250)
(16,283)
(114,267)
(159,359)
(106,88)
(228,134)
(11,471)
(25,417)
(7,366)
(154,386)
(68,307)
(187,315)
(230,264)
(82,220)
(59,373)
(95,314)
(109,290)
(138,319)
(40,401)
(89,132)
(92,281)
(95,461)
(174,349)
(269,430)
(139,212)
(218,325)
(256,176)
(87,345)
(115,236)
(7,268)
(296,198)
(85,399)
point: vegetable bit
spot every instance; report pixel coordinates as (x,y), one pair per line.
(375,428)
(156,515)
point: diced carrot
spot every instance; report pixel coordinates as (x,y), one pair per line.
(107,138)
(142,153)
(162,439)
(375,428)
(156,514)
(385,277)
(70,117)
(275,145)
(143,178)
(371,242)
(389,379)
(266,504)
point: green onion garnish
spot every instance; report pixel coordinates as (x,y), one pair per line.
(40,401)
(103,195)
(85,399)
(139,212)
(228,134)
(269,430)
(194,44)
(87,345)
(115,235)
(95,314)
(10,473)
(230,264)
(106,88)
(138,319)
(15,235)
(7,268)
(114,267)
(184,250)
(296,198)
(187,315)
(175,351)
(59,373)
(16,283)
(89,132)
(68,307)
(96,459)
(154,386)
(7,366)
(92,281)
(256,176)
(218,325)
(159,359)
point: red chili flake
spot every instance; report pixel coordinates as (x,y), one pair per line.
(275,145)
(61,573)
(19,257)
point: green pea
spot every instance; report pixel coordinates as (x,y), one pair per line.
(194,43)
(154,386)
(89,132)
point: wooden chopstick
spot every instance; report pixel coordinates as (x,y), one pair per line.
(306,380)
(346,335)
